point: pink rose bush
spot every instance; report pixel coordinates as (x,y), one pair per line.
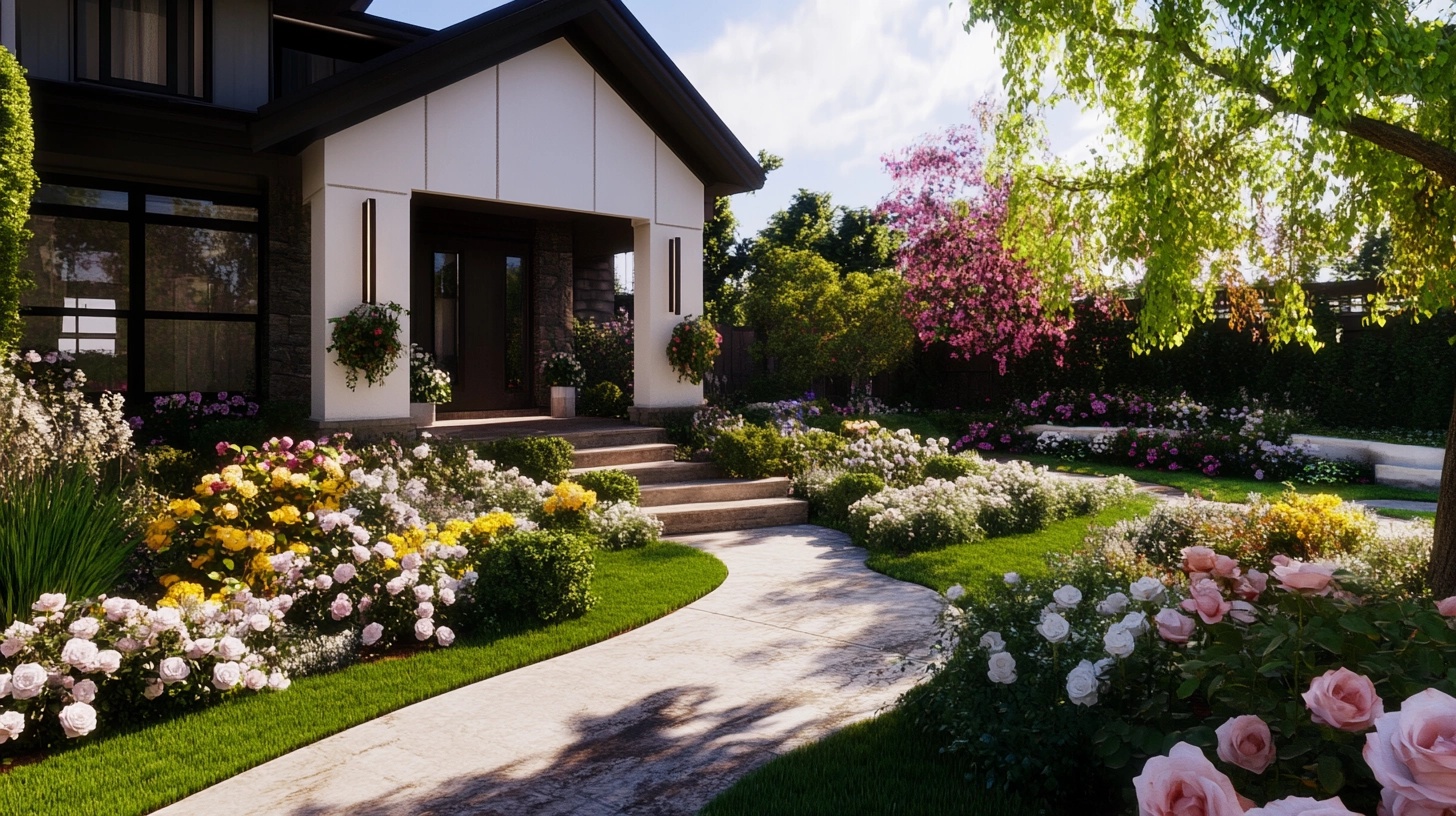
(1246,742)
(1345,700)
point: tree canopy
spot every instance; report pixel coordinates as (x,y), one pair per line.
(1240,134)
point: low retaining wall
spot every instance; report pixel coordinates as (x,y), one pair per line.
(1416,467)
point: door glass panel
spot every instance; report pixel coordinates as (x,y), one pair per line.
(516,361)
(139,41)
(77,262)
(190,269)
(447,299)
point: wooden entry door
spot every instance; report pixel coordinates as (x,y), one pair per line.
(478,324)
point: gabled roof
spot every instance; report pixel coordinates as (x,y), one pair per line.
(603,31)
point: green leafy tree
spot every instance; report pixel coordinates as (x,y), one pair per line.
(1238,133)
(725,258)
(18,183)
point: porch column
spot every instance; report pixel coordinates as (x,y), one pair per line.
(657,385)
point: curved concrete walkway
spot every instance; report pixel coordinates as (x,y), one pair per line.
(801,639)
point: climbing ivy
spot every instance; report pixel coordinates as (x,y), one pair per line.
(18,182)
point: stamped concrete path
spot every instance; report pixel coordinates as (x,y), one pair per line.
(801,639)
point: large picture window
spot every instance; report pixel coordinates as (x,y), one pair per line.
(156,45)
(154,291)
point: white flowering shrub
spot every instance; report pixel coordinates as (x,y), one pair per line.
(73,659)
(623,525)
(897,457)
(405,487)
(926,516)
(1064,446)
(45,417)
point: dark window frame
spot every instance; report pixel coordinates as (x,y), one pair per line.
(201,50)
(137,314)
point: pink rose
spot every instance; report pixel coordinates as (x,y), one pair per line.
(1303,806)
(1412,753)
(341,608)
(1306,579)
(1246,742)
(1174,626)
(1199,559)
(1207,600)
(1185,783)
(1251,585)
(1225,567)
(1447,606)
(1345,700)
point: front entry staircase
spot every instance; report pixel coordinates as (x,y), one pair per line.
(687,497)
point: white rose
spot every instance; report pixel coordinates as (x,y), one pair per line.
(85,628)
(424,592)
(77,720)
(199,648)
(260,622)
(1002,668)
(80,653)
(164,619)
(360,553)
(1054,628)
(323,582)
(1147,589)
(992,642)
(1082,684)
(1114,604)
(173,670)
(84,691)
(118,608)
(344,573)
(226,676)
(11,724)
(410,562)
(447,597)
(1135,622)
(395,586)
(955,593)
(1103,667)
(50,602)
(230,648)
(153,690)
(1119,641)
(372,633)
(341,608)
(278,681)
(445,636)
(255,680)
(108,661)
(425,610)
(1011,579)
(12,646)
(424,629)
(384,550)
(422,452)
(1067,596)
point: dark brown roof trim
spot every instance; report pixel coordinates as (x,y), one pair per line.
(604,31)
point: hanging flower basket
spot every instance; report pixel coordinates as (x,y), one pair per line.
(693,348)
(366,341)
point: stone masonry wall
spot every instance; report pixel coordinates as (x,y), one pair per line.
(289,282)
(552,309)
(596,288)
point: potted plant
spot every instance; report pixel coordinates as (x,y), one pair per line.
(429,386)
(563,373)
(366,341)
(693,348)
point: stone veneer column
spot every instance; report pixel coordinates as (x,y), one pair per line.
(596,288)
(552,305)
(289,279)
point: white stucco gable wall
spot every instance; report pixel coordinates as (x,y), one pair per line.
(543,130)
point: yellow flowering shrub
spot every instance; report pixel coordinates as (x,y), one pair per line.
(569,497)
(263,503)
(1312,526)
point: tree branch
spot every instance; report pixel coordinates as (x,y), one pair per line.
(1433,156)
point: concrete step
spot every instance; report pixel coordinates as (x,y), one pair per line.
(712,517)
(714,490)
(618,455)
(655,473)
(617,437)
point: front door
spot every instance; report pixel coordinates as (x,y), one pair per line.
(476,320)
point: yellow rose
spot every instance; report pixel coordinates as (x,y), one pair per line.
(232,474)
(227,511)
(287,514)
(299,480)
(184,508)
(247,489)
(280,476)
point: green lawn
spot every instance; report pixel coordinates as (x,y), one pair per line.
(881,766)
(142,770)
(1225,488)
(971,565)
(1408,515)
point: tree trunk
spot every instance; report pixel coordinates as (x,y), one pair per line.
(1442,572)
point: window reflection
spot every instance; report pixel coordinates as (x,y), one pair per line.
(200,270)
(516,362)
(447,293)
(77,260)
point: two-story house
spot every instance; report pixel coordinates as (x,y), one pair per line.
(221,177)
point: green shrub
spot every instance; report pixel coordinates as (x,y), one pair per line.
(61,530)
(612,486)
(753,452)
(18,182)
(831,505)
(950,467)
(541,574)
(604,399)
(543,458)
(170,471)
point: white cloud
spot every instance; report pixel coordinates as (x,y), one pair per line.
(851,79)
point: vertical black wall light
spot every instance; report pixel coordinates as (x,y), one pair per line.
(674,275)
(371,251)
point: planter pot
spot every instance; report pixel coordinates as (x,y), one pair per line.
(563,401)
(422,413)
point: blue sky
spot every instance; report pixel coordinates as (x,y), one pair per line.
(829,85)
